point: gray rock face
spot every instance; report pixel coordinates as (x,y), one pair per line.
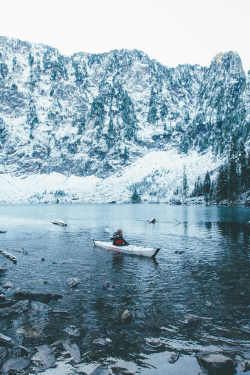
(216,364)
(76,114)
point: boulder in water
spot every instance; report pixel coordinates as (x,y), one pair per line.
(73,282)
(215,363)
(127,316)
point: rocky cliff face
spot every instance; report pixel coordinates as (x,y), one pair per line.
(93,114)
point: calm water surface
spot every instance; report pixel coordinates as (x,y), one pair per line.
(203,269)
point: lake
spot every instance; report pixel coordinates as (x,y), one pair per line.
(202,270)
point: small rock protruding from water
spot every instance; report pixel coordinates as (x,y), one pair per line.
(43,259)
(127,316)
(2,269)
(215,363)
(193,320)
(179,251)
(100,342)
(8,285)
(152,221)
(73,282)
(174,357)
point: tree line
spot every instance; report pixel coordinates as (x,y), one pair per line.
(233,178)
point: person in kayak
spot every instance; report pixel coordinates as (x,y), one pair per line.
(118,239)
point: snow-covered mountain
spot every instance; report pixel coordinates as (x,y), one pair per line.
(114,120)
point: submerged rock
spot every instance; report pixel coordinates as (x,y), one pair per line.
(8,285)
(21,307)
(73,349)
(121,371)
(15,364)
(216,364)
(193,320)
(41,297)
(245,366)
(6,302)
(72,330)
(73,282)
(44,358)
(3,355)
(127,316)
(101,370)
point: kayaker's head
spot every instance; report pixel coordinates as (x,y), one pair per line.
(119,232)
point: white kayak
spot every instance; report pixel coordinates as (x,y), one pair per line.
(129,249)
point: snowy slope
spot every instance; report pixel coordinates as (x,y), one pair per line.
(155,176)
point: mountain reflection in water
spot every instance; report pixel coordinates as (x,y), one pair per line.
(202,270)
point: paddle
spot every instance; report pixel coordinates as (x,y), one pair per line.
(109,231)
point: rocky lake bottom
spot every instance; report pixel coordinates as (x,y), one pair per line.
(68,307)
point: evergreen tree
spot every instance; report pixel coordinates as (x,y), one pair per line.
(185,182)
(222,184)
(207,186)
(135,197)
(233,177)
(248,172)
(243,166)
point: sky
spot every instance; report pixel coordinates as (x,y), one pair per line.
(170,31)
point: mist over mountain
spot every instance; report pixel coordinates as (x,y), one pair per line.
(102,115)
